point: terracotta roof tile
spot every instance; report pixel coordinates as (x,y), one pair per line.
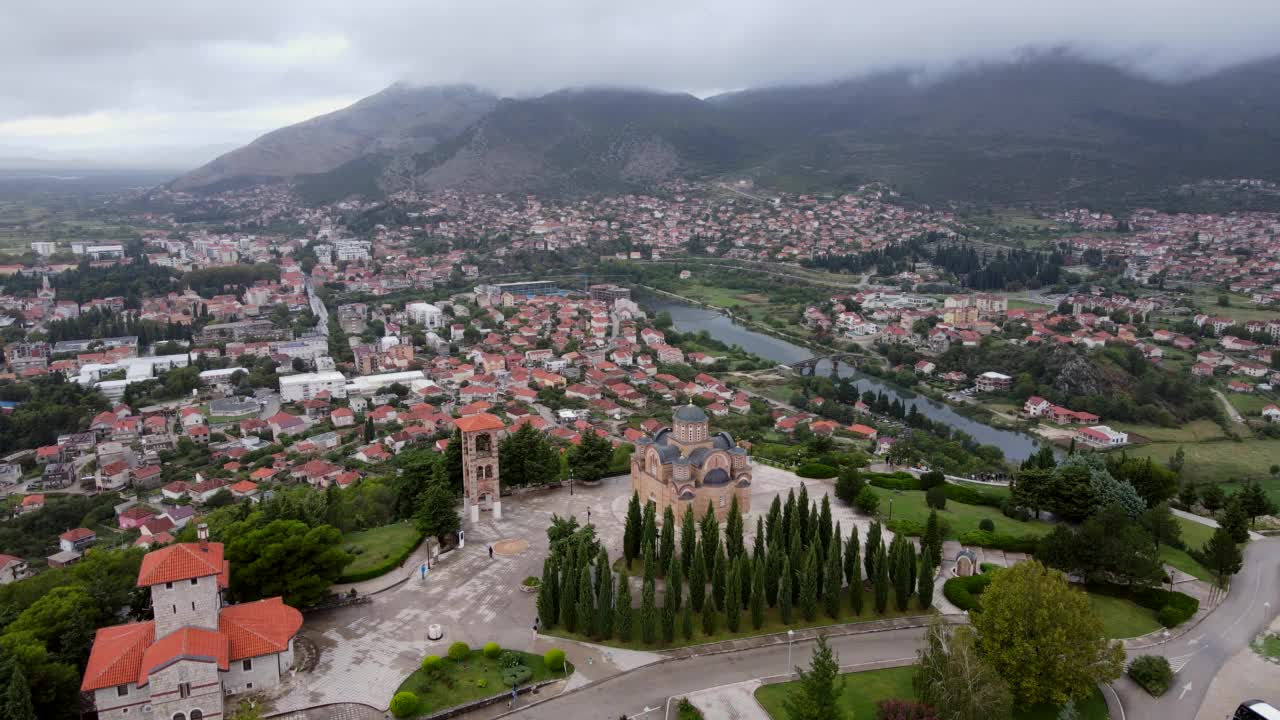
(481,421)
(259,628)
(186,643)
(117,653)
(181,562)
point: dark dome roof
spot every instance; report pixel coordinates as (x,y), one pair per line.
(661,436)
(722,440)
(667,453)
(699,456)
(690,414)
(716,476)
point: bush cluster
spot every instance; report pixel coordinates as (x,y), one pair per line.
(1153,673)
(492,650)
(1171,608)
(404,704)
(816,471)
(459,651)
(904,710)
(432,664)
(554,659)
(972,496)
(987,525)
(964,592)
(895,481)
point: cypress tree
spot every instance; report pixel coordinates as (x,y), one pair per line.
(824,525)
(688,540)
(675,583)
(604,608)
(757,593)
(622,609)
(649,530)
(871,553)
(719,576)
(586,603)
(632,530)
(697,579)
(710,537)
(784,591)
(902,583)
(686,623)
(548,612)
(932,540)
(853,570)
(668,620)
(773,572)
(788,518)
(881,584)
(758,548)
(667,544)
(708,620)
(648,614)
(744,580)
(802,513)
(774,524)
(924,590)
(733,598)
(604,575)
(733,530)
(895,549)
(912,563)
(815,543)
(797,566)
(809,585)
(650,565)
(831,591)
(569,593)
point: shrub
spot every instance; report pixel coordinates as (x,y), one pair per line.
(868,502)
(999,541)
(432,664)
(816,471)
(972,496)
(936,498)
(904,710)
(531,581)
(963,592)
(492,650)
(510,660)
(1172,608)
(459,651)
(895,481)
(1153,673)
(516,675)
(482,682)
(987,524)
(554,659)
(404,704)
(932,479)
(686,710)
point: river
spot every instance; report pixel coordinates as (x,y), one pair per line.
(1016,446)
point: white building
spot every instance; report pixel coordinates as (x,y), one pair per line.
(305,386)
(1102,436)
(44,248)
(349,250)
(368,385)
(425,314)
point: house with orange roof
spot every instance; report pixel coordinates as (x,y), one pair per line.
(197,651)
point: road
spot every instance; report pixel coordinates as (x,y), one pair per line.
(1197,655)
(1232,412)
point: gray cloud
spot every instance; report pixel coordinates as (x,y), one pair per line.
(95,77)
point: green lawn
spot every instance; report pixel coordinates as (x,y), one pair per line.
(1249,406)
(379,545)
(1219,461)
(475,678)
(1267,645)
(1001,490)
(1192,432)
(863,690)
(772,622)
(1271,484)
(1123,618)
(909,505)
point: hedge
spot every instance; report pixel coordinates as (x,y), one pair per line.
(816,471)
(554,659)
(963,592)
(1153,673)
(1172,608)
(893,482)
(1000,541)
(387,566)
(971,496)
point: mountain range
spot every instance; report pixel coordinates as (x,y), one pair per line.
(1052,128)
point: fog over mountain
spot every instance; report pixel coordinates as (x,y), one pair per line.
(97,79)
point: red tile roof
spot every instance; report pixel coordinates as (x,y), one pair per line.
(116,658)
(259,628)
(77,534)
(189,643)
(481,421)
(182,562)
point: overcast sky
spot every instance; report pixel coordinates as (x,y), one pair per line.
(165,83)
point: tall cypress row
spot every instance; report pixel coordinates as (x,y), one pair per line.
(853,569)
(784,591)
(675,583)
(757,593)
(809,586)
(604,608)
(719,579)
(648,614)
(698,579)
(548,612)
(586,609)
(667,543)
(733,530)
(831,589)
(733,597)
(688,540)
(881,585)
(631,531)
(622,612)
(773,573)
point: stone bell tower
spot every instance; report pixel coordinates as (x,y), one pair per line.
(480,485)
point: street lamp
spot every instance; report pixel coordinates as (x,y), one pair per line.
(791,636)
(890,508)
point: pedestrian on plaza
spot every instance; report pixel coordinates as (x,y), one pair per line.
(490,552)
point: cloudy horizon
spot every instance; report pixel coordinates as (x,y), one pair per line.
(144,83)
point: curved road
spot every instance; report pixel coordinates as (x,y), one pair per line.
(1197,655)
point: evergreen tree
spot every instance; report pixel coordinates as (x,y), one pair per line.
(710,537)
(688,540)
(697,579)
(369,432)
(569,593)
(881,583)
(802,512)
(733,530)
(708,620)
(649,529)
(632,531)
(622,609)
(1222,557)
(586,609)
(831,580)
(809,586)
(744,580)
(824,525)
(548,613)
(648,614)
(924,589)
(819,687)
(686,623)
(675,583)
(17,704)
(773,573)
(1235,520)
(719,579)
(757,593)
(669,611)
(902,583)
(773,525)
(604,574)
(871,553)
(758,547)
(931,543)
(667,546)
(604,607)
(853,572)
(784,591)
(788,519)
(649,566)
(733,597)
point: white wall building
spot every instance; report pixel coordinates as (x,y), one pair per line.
(305,386)
(425,314)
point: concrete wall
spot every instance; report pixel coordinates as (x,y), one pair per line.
(192,603)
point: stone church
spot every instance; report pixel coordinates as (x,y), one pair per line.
(687,465)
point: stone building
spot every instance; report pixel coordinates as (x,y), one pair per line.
(481,489)
(688,465)
(197,651)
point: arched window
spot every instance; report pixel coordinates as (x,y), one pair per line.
(483,443)
(179,716)
(488,472)
(197,715)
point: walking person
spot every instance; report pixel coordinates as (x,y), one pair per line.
(490,552)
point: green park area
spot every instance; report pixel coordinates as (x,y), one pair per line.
(909,507)
(1123,618)
(1220,461)
(379,550)
(465,676)
(862,692)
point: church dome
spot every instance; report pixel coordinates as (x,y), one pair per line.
(716,476)
(690,414)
